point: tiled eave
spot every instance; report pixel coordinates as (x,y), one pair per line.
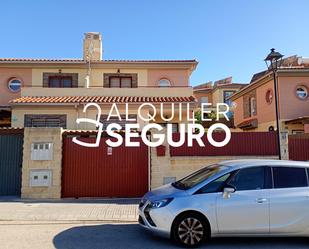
(98,99)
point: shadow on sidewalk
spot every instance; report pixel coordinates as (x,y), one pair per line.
(128,236)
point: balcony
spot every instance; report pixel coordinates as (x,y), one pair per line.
(100,91)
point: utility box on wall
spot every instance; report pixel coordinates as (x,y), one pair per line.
(42,151)
(40,178)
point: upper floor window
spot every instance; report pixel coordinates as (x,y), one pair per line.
(226,95)
(164,83)
(252,106)
(302,92)
(14,85)
(269,96)
(60,81)
(119,81)
(45,120)
(204,99)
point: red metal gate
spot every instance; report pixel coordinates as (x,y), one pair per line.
(104,171)
(299,147)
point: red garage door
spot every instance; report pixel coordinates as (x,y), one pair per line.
(299,147)
(103,171)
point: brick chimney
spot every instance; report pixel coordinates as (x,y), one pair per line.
(92,46)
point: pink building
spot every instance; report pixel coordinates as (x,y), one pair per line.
(53,92)
(255,105)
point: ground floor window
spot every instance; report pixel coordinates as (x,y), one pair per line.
(174,126)
(45,120)
(122,122)
(5,118)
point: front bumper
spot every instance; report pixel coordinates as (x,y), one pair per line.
(158,220)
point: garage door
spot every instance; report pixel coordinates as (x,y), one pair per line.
(104,171)
(11,154)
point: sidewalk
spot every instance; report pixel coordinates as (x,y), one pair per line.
(115,210)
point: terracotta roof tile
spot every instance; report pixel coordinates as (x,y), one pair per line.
(99,99)
(84,61)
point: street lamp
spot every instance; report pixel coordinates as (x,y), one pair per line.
(273,62)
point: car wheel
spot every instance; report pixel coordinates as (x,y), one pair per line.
(190,230)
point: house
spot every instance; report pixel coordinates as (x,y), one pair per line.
(217,92)
(53,92)
(12,78)
(255,104)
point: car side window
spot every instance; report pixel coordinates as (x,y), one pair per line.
(289,177)
(214,186)
(249,179)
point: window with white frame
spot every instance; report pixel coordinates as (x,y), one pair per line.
(14,85)
(302,92)
(164,83)
(252,106)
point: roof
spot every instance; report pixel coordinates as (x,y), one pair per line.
(98,99)
(289,64)
(300,119)
(94,61)
(258,75)
(200,88)
(11,130)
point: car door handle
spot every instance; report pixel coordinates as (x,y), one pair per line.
(261,200)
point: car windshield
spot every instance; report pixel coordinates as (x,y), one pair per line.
(198,176)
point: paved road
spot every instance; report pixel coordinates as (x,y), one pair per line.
(116,236)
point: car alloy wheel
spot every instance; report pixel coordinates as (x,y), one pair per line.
(190,231)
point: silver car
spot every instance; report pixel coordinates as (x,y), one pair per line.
(232,198)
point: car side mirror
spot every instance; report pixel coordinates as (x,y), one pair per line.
(227,191)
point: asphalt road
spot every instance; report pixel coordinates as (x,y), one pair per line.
(110,236)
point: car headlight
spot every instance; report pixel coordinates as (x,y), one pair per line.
(160,203)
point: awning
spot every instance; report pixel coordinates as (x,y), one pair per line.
(248,124)
(300,120)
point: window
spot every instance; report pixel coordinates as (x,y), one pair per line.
(269,96)
(204,100)
(252,106)
(214,186)
(45,122)
(60,81)
(199,176)
(298,132)
(250,179)
(48,120)
(122,122)
(14,85)
(226,95)
(288,177)
(123,82)
(174,126)
(301,92)
(164,83)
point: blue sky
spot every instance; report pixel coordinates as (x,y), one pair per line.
(227,37)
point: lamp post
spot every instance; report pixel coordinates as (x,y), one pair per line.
(273,62)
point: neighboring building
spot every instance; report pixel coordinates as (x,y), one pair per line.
(255,105)
(53,92)
(12,78)
(217,92)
